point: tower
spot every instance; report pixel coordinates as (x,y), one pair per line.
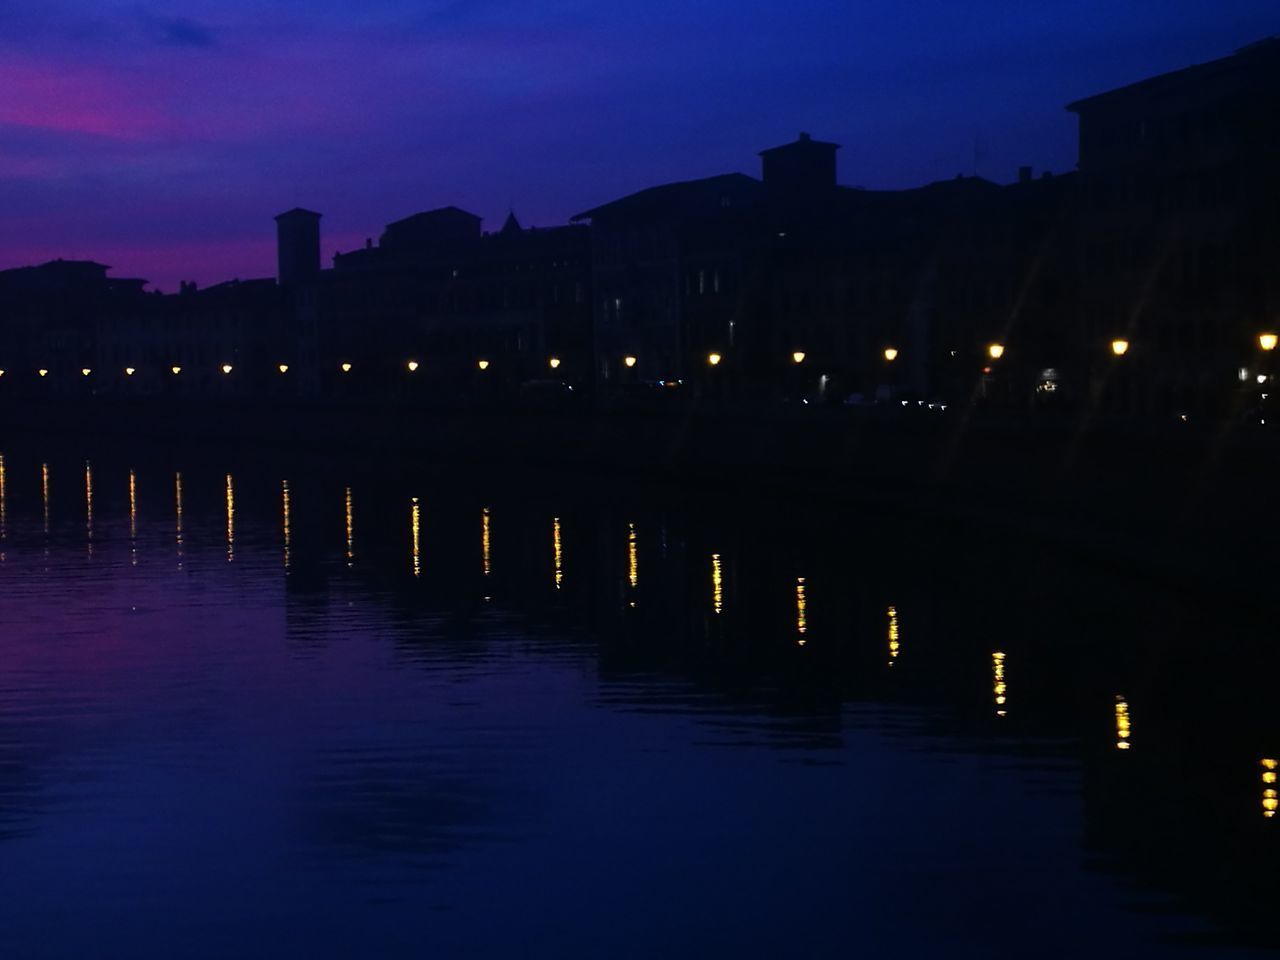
(297,246)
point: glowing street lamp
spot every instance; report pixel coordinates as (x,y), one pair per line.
(284,368)
(345,368)
(553,363)
(43,372)
(1120,347)
(1267,341)
(85,371)
(412,365)
(483,364)
(714,359)
(891,354)
(798,356)
(995,351)
(1,373)
(629,361)
(130,371)
(226,368)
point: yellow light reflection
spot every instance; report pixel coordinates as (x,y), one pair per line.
(1269,799)
(1123,728)
(633,564)
(802,621)
(999,687)
(894,645)
(559,554)
(133,516)
(88,505)
(351,531)
(177,492)
(484,540)
(231,519)
(717,585)
(44,495)
(284,522)
(417,525)
(3,504)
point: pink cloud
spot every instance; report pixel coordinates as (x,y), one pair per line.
(68,98)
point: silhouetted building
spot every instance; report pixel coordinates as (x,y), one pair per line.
(1179,204)
(298,246)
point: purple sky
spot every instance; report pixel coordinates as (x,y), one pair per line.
(162,138)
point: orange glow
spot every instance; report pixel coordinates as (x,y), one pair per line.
(1120,347)
(629,361)
(995,351)
(1267,341)
(891,354)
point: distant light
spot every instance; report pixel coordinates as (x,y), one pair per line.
(995,351)
(412,365)
(1262,378)
(714,359)
(226,368)
(986,369)
(1120,347)
(798,356)
(130,371)
(1182,417)
(1267,341)
(346,368)
(483,364)
(43,372)
(85,371)
(176,370)
(629,361)
(1243,374)
(1,373)
(284,368)
(553,363)
(891,354)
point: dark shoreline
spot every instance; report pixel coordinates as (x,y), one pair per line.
(1181,501)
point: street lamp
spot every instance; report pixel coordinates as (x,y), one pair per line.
(798,356)
(483,364)
(995,351)
(1120,347)
(176,370)
(891,354)
(85,371)
(630,361)
(1267,341)
(412,365)
(284,368)
(43,372)
(226,368)
(714,359)
(553,363)
(130,371)
(346,368)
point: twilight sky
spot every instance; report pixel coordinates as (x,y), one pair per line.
(161,138)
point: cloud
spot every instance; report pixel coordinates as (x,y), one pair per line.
(177,31)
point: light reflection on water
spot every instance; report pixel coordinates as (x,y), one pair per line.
(448,755)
